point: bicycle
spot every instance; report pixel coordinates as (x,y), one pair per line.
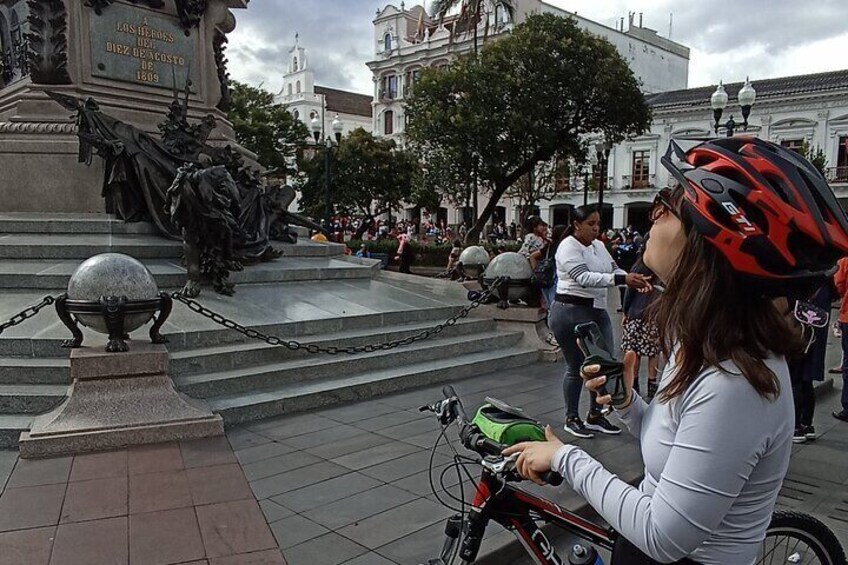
(791,537)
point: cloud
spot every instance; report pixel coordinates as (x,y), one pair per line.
(729,39)
(336,33)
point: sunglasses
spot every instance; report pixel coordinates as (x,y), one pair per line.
(663,203)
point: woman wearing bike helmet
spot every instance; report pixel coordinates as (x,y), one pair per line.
(751,222)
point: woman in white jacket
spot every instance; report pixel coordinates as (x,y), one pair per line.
(585,270)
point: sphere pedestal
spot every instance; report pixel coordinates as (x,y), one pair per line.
(117,401)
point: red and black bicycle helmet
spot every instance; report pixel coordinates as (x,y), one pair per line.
(768,210)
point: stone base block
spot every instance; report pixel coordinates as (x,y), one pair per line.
(118,400)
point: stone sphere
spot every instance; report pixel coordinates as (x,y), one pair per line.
(517,268)
(112,274)
(474,259)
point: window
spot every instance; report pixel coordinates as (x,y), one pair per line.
(501,15)
(297,88)
(796,145)
(387,42)
(641,170)
(842,160)
(561,177)
(290,89)
(388,122)
(389,85)
(409,82)
(296,115)
(294,65)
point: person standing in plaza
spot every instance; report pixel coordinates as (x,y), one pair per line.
(639,333)
(585,271)
(840,279)
(750,224)
(405,253)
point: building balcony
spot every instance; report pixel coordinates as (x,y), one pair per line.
(837,175)
(640,182)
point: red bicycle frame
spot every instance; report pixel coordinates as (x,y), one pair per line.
(518,511)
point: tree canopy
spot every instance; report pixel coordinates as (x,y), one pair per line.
(265,128)
(533,96)
(369,176)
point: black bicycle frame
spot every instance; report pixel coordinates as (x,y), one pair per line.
(511,507)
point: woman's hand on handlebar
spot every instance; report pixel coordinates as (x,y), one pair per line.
(535,457)
(593,381)
(639,282)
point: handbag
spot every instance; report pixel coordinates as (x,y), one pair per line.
(545,272)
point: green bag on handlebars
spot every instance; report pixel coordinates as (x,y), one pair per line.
(507,425)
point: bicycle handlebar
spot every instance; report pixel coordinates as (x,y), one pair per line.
(470,435)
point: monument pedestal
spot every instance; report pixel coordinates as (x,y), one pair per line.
(117,400)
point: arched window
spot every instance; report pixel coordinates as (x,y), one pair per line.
(388,122)
(387,42)
(294,64)
(290,90)
(297,88)
(296,115)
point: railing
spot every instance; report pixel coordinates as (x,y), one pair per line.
(640,182)
(837,174)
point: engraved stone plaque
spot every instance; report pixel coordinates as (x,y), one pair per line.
(139,46)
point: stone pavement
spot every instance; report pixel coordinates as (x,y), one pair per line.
(154,505)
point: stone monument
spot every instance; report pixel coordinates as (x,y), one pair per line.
(130,55)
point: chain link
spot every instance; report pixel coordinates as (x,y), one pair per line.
(252,333)
(27,313)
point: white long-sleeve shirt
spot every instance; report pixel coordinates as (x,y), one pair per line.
(585,270)
(715,459)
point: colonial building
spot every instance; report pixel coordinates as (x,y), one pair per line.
(794,111)
(13,29)
(305,100)
(407,40)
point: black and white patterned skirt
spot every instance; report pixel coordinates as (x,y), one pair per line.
(642,337)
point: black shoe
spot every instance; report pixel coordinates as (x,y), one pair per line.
(841,415)
(810,432)
(575,427)
(598,423)
(799,436)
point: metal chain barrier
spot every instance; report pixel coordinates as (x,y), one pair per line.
(195,306)
(27,313)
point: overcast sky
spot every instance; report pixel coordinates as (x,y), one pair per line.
(729,39)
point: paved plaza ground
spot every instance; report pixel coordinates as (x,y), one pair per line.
(343,485)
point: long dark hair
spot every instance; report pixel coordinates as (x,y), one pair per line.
(711,314)
(579,214)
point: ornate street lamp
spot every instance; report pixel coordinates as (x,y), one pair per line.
(602,150)
(317,126)
(718,102)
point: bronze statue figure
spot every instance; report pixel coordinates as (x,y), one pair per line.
(205,196)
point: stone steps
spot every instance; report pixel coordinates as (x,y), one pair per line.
(30,399)
(316,367)
(11,427)
(312,294)
(56,370)
(253,353)
(11,222)
(81,246)
(169,273)
(302,396)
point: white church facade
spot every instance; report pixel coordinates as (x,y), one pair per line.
(306,100)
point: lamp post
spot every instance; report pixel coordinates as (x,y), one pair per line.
(602,149)
(317,133)
(718,102)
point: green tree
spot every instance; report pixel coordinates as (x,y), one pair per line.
(265,128)
(535,95)
(369,176)
(816,156)
(471,12)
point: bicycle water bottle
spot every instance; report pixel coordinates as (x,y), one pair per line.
(582,555)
